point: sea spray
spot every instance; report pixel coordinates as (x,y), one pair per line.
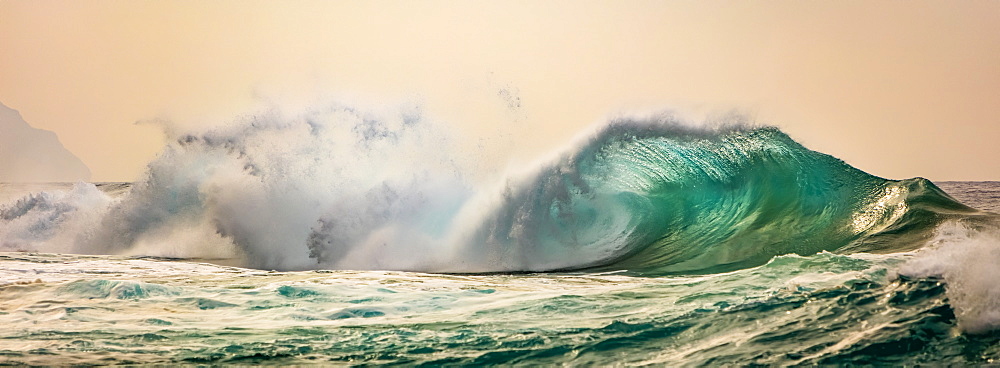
(966,258)
(264,182)
(52,221)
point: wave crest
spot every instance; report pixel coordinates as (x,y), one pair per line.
(349,189)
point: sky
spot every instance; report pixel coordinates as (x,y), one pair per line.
(896,88)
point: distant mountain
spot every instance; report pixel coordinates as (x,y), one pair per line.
(34,155)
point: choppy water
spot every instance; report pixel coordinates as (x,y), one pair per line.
(825,308)
(660,245)
(819,309)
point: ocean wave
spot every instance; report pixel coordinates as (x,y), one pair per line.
(341,188)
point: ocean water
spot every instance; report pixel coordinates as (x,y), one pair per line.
(341,237)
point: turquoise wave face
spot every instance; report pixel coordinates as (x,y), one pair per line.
(665,199)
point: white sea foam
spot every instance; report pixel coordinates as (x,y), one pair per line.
(968,260)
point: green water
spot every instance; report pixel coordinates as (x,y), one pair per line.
(821,309)
(651,243)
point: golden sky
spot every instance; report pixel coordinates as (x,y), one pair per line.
(896,88)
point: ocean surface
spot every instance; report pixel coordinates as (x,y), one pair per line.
(337,238)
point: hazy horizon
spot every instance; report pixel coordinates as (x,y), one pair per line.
(896,89)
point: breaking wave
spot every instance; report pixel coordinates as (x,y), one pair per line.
(343,188)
